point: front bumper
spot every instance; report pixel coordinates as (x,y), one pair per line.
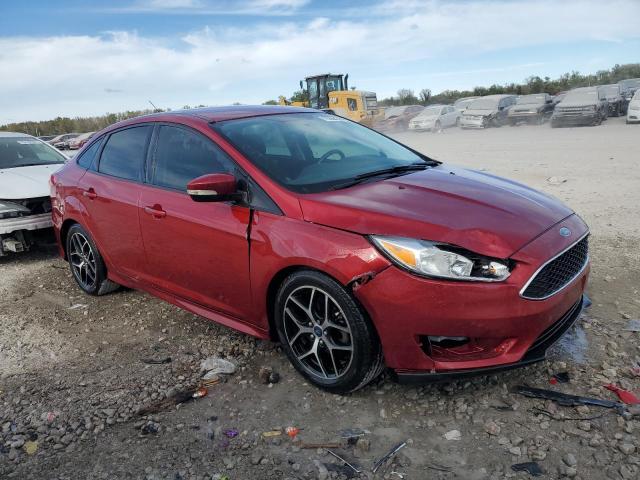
(31,222)
(475,122)
(575,118)
(633,116)
(421,128)
(504,327)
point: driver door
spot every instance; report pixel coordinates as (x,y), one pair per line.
(196,251)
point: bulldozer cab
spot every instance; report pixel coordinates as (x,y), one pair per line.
(319,86)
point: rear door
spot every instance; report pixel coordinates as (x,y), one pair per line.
(110,197)
(195,250)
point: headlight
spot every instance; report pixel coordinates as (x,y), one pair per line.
(11,210)
(441,261)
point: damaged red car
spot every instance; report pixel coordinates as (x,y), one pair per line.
(354,251)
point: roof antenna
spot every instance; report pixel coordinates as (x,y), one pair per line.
(154,107)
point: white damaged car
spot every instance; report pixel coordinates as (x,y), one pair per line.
(26,164)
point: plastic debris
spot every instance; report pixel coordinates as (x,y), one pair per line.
(156,361)
(150,427)
(626,396)
(633,326)
(272,433)
(344,461)
(314,446)
(586,301)
(453,435)
(217,366)
(200,392)
(560,377)
(30,447)
(231,432)
(392,453)
(565,399)
(532,468)
(348,433)
(292,431)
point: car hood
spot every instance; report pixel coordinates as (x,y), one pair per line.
(482,112)
(474,210)
(577,103)
(26,182)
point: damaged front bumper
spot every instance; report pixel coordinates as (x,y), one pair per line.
(433,329)
(13,230)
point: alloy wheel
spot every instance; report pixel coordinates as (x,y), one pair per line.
(83,261)
(318,332)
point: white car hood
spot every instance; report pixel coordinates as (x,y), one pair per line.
(26,182)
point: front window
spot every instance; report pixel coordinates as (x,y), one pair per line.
(314,152)
(483,104)
(26,152)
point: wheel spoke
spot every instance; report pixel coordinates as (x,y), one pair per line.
(295,319)
(311,351)
(320,364)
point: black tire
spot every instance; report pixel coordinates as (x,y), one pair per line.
(554,123)
(437,126)
(78,243)
(366,361)
(458,122)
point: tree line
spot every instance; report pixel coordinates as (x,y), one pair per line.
(405,96)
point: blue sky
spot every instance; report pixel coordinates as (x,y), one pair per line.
(87,57)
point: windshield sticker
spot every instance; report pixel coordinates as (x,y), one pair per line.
(29,142)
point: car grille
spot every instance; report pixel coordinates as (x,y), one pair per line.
(558,272)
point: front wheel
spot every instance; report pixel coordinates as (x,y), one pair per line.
(325,334)
(86,263)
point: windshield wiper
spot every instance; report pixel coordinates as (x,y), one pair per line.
(388,172)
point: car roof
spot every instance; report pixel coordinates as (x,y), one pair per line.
(232,112)
(13,134)
(497,96)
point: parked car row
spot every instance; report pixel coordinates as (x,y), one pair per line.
(67,141)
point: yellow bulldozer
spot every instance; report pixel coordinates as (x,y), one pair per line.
(330,92)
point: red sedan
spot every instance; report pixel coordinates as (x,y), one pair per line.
(351,249)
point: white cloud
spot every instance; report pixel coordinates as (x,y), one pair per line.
(80,75)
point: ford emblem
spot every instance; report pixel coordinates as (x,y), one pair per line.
(565,232)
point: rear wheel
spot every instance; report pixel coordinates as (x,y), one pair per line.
(86,263)
(325,334)
(438,126)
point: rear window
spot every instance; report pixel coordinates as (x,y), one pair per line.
(27,151)
(124,153)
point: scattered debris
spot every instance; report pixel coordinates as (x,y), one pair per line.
(625,395)
(210,382)
(156,361)
(231,432)
(438,467)
(31,447)
(532,468)
(388,456)
(292,431)
(217,366)
(633,326)
(176,399)
(77,306)
(560,377)
(348,433)
(268,376)
(586,301)
(150,427)
(272,433)
(556,180)
(344,461)
(565,399)
(453,435)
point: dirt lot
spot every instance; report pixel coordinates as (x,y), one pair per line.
(72,380)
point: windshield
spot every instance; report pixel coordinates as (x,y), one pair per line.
(611,90)
(26,151)
(463,102)
(528,99)
(430,112)
(581,96)
(314,152)
(630,83)
(483,104)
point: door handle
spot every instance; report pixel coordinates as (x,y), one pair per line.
(90,193)
(156,211)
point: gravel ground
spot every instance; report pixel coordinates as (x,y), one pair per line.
(73,385)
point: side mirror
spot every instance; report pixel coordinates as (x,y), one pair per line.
(214,187)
